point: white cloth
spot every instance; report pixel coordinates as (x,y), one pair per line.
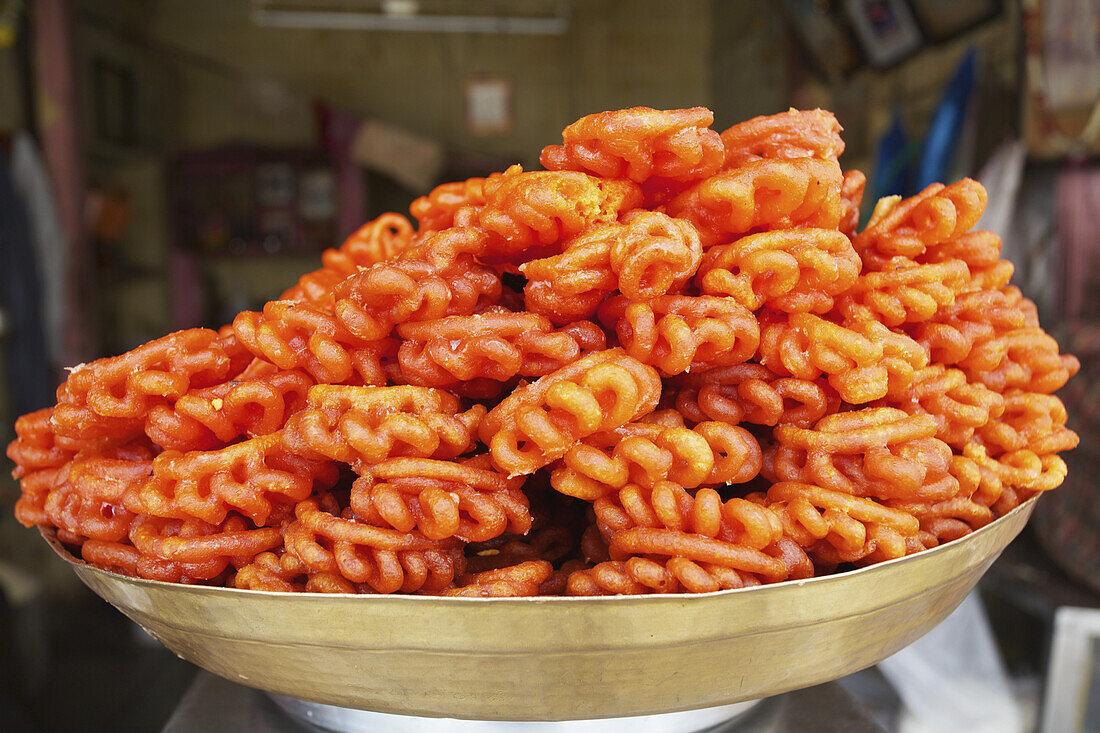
(32,185)
(953,679)
(1002,176)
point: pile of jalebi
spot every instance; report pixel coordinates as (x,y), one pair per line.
(669,363)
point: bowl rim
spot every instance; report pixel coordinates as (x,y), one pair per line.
(49,534)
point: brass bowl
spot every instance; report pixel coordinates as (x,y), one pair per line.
(559,658)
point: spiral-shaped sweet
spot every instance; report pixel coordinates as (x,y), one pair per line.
(877,452)
(773,194)
(639,144)
(806,346)
(790,270)
(495,345)
(540,421)
(329,540)
(711,453)
(300,336)
(787,135)
(753,393)
(911,226)
(109,397)
(646,255)
(436,211)
(680,333)
(422,286)
(532,214)
(959,407)
(469,500)
(839,527)
(516,581)
(363,426)
(907,293)
(254,477)
(259,402)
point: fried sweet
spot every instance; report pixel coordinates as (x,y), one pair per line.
(105,478)
(753,393)
(124,558)
(699,530)
(442,499)
(437,410)
(680,333)
(273,572)
(975,316)
(647,255)
(436,211)
(981,251)
(640,143)
(836,527)
(791,134)
(902,356)
(806,346)
(253,478)
(698,525)
(878,452)
(254,404)
(1022,358)
(540,421)
(524,579)
(495,344)
(36,446)
(192,541)
(85,498)
(909,227)
(851,196)
(711,453)
(300,336)
(653,254)
(110,397)
(385,560)
(363,426)
(42,461)
(181,551)
(1030,420)
(531,214)
(772,194)
(641,575)
(791,270)
(30,507)
(959,407)
(905,291)
(370,303)
(571,285)
(949,519)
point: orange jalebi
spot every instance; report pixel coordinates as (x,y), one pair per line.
(669,363)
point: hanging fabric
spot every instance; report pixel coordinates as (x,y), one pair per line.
(32,185)
(30,380)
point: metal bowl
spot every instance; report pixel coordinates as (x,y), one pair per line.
(559,658)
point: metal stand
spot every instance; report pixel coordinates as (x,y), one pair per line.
(215,705)
(347,720)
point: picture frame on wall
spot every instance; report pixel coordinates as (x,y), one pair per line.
(488,105)
(886,30)
(825,41)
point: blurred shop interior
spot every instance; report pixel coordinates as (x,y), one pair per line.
(167,164)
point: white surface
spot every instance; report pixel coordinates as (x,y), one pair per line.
(347,720)
(1069,672)
(952,679)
